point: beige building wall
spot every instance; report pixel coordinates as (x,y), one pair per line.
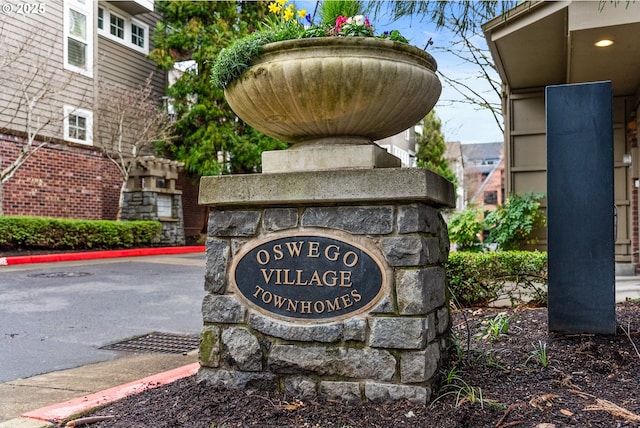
(526,154)
(34,65)
(124,66)
(120,65)
(542,43)
(31,71)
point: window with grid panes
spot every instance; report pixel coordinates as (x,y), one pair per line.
(137,35)
(116,27)
(78,125)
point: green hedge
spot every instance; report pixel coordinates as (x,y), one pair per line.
(477,279)
(66,234)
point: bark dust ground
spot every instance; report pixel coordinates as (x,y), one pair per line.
(505,370)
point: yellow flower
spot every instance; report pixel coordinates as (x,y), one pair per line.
(302,13)
(288,14)
(281,2)
(274,8)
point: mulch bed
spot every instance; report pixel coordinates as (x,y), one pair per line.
(494,381)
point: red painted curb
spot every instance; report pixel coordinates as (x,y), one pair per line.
(90,255)
(61,411)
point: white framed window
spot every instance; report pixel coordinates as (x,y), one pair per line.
(137,35)
(78,125)
(78,37)
(118,26)
(100,18)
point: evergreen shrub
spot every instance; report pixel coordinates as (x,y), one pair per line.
(70,234)
(477,279)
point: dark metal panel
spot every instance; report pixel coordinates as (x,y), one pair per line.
(580,208)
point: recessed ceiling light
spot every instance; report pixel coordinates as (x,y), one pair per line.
(604,43)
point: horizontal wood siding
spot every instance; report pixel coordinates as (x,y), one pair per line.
(121,66)
(125,66)
(32,58)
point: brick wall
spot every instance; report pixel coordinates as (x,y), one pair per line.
(493,183)
(634,226)
(60,181)
(195,216)
(632,142)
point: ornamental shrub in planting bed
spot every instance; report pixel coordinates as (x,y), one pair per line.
(66,234)
(477,279)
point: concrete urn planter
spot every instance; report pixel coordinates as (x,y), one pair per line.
(335,90)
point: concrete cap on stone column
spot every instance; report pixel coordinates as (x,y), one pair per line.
(337,186)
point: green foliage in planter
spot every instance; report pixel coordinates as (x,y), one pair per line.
(338,19)
(332,9)
(477,279)
(70,234)
(211,140)
(235,59)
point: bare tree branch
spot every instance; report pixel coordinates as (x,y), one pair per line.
(33,84)
(131,122)
(463,19)
(471,13)
(466,50)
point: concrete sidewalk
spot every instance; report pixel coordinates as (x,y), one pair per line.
(627,288)
(27,402)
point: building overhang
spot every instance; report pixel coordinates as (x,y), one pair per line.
(540,43)
(133,7)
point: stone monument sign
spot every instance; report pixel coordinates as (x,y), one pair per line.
(325,273)
(326,283)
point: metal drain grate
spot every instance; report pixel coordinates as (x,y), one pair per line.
(166,343)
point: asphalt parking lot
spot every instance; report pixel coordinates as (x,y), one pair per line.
(55,316)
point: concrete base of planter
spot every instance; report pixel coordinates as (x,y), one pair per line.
(328,158)
(390,352)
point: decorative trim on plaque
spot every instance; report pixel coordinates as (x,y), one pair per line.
(309,276)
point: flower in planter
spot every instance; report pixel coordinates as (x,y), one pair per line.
(357,26)
(285,22)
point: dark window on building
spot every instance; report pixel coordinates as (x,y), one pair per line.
(78,127)
(137,35)
(117,26)
(491,197)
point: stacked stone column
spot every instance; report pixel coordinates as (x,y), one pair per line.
(149,180)
(390,352)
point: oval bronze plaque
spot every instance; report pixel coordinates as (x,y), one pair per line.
(309,277)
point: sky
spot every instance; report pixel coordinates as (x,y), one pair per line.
(460,122)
